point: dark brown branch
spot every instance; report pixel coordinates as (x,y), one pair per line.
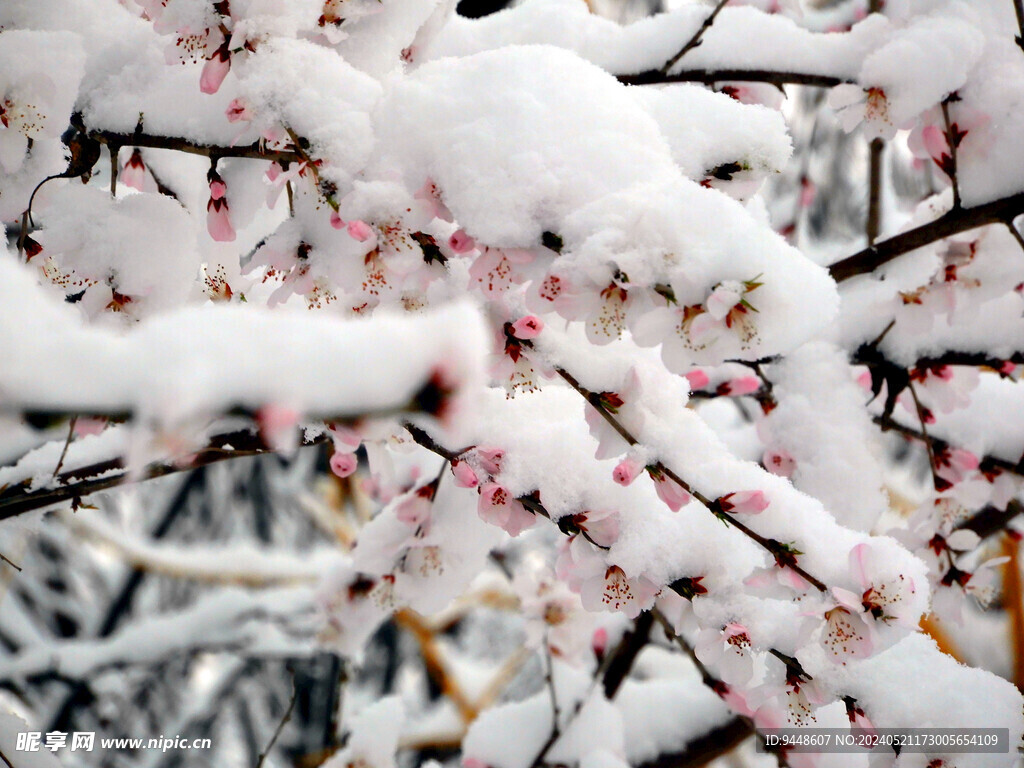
(625,654)
(782,554)
(114,140)
(702,750)
(76,483)
(986,463)
(709,76)
(280,725)
(694,41)
(950,223)
(991,520)
(874,219)
(1018,7)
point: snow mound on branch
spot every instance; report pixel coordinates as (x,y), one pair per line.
(740,38)
(144,244)
(200,361)
(706,130)
(925,676)
(320,96)
(512,160)
(838,458)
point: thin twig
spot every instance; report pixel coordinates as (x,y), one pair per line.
(10,562)
(951,140)
(694,41)
(876,149)
(280,725)
(924,431)
(67,444)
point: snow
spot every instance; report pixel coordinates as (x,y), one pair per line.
(202,360)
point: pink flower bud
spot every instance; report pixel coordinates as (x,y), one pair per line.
(460,242)
(744,502)
(278,425)
(218,221)
(134,172)
(669,491)
(698,379)
(627,471)
(359,230)
(215,70)
(744,385)
(343,464)
(599,642)
(465,477)
(934,141)
(528,327)
(336,221)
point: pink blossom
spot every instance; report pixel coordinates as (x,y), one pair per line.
(744,502)
(626,471)
(614,591)
(953,464)
(496,270)
(86,426)
(465,477)
(278,425)
(490,459)
(498,507)
(460,242)
(847,632)
(779,462)
(431,196)
(728,650)
(359,230)
(527,327)
(668,490)
(215,69)
(698,379)
(343,464)
(237,111)
(416,508)
(336,221)
(744,385)
(602,528)
(133,174)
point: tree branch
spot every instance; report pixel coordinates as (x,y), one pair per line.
(107,474)
(709,76)
(950,223)
(115,140)
(777,549)
(694,41)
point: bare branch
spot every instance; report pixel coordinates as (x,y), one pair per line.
(950,223)
(709,76)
